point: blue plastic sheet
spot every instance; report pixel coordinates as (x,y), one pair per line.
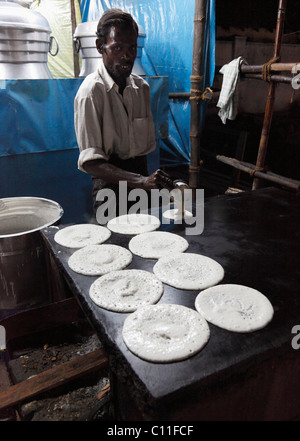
(37,115)
(168,50)
(38,147)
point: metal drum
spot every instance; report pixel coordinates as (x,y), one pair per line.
(85,43)
(23,270)
(24,43)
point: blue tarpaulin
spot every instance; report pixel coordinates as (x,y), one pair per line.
(38,146)
(168,50)
(37,115)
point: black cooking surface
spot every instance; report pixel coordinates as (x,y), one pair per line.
(255,237)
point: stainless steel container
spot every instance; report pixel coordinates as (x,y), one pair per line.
(23,270)
(24,43)
(85,43)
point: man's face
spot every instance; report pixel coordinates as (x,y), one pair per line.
(119,52)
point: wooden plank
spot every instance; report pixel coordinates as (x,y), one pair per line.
(52,378)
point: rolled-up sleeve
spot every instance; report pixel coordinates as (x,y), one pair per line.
(88,130)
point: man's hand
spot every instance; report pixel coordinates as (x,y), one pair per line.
(159,179)
(110,173)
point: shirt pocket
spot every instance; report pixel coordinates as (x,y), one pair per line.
(141,134)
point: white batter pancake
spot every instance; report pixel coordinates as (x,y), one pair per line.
(236,308)
(165,333)
(175,214)
(156,244)
(135,223)
(181,197)
(188,271)
(126,290)
(81,235)
(96,260)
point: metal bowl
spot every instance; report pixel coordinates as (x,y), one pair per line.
(24,278)
(24,215)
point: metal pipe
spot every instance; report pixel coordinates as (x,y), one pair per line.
(187,95)
(275,67)
(266,175)
(273,78)
(179,95)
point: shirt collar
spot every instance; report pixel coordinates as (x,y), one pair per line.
(109,82)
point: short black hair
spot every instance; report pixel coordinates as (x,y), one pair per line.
(114,17)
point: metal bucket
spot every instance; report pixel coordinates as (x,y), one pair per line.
(85,43)
(23,269)
(24,43)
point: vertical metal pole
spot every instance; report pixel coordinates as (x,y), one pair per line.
(264,139)
(196,91)
(75,53)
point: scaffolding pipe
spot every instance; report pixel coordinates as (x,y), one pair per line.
(263,145)
(75,53)
(266,175)
(275,67)
(196,91)
(274,78)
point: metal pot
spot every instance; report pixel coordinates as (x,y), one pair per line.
(23,269)
(85,43)
(24,43)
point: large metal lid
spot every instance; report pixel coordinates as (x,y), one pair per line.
(25,214)
(13,15)
(89,28)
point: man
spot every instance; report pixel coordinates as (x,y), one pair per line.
(113,120)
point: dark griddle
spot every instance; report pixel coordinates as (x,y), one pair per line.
(255,237)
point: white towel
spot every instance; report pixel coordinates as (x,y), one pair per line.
(229,93)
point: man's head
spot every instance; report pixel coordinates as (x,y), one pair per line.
(117,34)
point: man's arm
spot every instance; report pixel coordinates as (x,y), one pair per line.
(110,173)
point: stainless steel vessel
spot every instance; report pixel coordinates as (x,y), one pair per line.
(24,43)
(23,270)
(84,40)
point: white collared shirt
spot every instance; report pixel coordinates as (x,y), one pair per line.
(108,123)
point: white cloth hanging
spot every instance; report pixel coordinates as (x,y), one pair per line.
(229,93)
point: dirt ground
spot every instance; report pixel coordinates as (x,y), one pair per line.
(76,400)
